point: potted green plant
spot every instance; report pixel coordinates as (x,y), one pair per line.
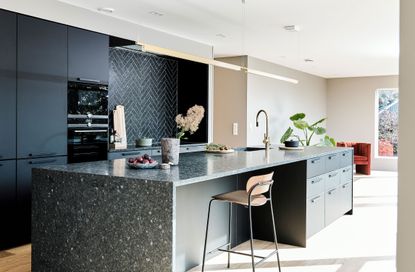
(308,131)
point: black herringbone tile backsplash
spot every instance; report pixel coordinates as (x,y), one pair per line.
(146,85)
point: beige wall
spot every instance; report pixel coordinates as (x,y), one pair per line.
(238,97)
(230,104)
(406,184)
(282,99)
(351,110)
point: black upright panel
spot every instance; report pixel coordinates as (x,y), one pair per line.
(41,88)
(88,55)
(7,85)
(7,203)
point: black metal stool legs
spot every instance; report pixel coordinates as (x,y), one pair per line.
(206,235)
(251,240)
(230,234)
(274,230)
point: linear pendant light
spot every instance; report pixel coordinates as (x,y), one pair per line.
(181,55)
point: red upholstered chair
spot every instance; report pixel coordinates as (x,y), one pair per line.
(362,156)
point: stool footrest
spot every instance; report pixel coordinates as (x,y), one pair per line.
(249,255)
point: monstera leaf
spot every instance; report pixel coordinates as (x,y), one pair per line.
(286,135)
(300,124)
(319,130)
(297,116)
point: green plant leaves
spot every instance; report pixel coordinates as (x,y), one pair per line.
(286,135)
(319,130)
(327,141)
(300,124)
(318,122)
(297,116)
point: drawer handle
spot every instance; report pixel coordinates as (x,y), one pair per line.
(42,155)
(345,185)
(315,160)
(314,200)
(41,162)
(316,180)
(332,191)
(332,156)
(131,154)
(346,170)
(333,175)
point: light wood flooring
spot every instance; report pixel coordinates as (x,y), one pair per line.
(363,242)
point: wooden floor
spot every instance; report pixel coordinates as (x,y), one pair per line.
(16,259)
(363,242)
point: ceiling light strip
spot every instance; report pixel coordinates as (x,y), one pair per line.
(265,74)
(176,54)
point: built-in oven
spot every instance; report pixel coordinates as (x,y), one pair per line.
(87,121)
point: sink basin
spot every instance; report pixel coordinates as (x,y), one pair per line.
(247,149)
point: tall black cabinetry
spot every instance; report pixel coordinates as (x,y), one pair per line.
(41,106)
(88,54)
(8,127)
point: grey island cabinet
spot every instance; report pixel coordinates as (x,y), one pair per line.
(102,216)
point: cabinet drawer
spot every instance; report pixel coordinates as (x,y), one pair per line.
(346,175)
(315,214)
(186,149)
(315,186)
(345,198)
(332,179)
(315,167)
(346,158)
(156,152)
(332,162)
(332,207)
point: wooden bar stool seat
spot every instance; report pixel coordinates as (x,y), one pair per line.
(241,197)
(253,196)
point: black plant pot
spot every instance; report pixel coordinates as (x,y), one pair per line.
(291,143)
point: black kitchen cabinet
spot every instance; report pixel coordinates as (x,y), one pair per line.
(24,192)
(41,88)
(7,203)
(88,55)
(7,85)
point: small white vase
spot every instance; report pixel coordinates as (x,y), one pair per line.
(170,150)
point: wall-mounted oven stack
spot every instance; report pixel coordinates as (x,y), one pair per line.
(87,121)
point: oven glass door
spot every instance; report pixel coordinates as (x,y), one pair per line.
(83,100)
(87,145)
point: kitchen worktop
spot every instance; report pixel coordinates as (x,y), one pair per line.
(199,166)
(155,145)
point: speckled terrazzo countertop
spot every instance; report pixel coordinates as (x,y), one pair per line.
(199,166)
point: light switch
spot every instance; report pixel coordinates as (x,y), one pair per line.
(235,129)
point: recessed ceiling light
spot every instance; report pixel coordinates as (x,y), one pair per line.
(308,60)
(292,28)
(220,35)
(107,10)
(155,13)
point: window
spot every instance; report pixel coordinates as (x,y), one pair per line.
(387,122)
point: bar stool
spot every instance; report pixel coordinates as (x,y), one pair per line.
(251,197)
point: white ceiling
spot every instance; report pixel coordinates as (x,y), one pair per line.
(345,38)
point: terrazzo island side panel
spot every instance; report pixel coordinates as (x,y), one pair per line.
(86,222)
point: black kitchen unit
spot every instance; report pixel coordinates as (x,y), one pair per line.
(36,58)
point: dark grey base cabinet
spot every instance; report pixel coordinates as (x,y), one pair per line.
(113,155)
(24,192)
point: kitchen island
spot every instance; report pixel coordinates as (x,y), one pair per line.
(103,216)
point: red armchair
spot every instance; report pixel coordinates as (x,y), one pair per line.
(362,156)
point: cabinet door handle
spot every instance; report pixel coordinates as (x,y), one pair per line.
(315,160)
(333,175)
(88,80)
(332,191)
(42,155)
(90,131)
(41,162)
(314,200)
(316,180)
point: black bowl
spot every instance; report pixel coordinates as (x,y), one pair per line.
(291,143)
